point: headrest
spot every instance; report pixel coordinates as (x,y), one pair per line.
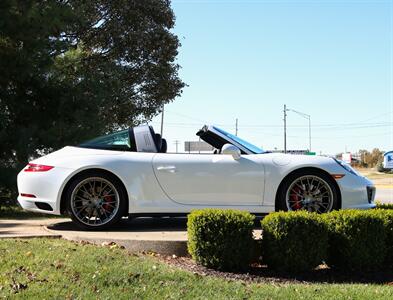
(164,146)
(158,141)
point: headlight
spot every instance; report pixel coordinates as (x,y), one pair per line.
(347,167)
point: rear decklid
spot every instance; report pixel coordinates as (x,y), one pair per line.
(70,151)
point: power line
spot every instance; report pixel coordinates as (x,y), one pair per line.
(320,126)
(361,122)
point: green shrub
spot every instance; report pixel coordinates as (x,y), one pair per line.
(387,217)
(381,205)
(294,241)
(356,239)
(221,239)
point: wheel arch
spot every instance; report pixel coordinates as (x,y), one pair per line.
(305,169)
(63,203)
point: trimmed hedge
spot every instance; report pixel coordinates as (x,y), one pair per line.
(381,205)
(221,239)
(356,239)
(294,241)
(387,217)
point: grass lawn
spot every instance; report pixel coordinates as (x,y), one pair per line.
(374,175)
(44,269)
(16,212)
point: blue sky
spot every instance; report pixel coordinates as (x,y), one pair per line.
(246,59)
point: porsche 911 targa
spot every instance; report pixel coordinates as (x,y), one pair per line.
(129,173)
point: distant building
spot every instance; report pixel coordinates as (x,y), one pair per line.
(347,157)
(197,146)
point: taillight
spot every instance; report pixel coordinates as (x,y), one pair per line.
(37,168)
(28,195)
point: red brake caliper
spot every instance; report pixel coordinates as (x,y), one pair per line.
(106,206)
(295,198)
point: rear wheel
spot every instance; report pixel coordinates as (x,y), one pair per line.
(95,200)
(309,190)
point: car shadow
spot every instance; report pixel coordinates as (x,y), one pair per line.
(141,224)
(133,225)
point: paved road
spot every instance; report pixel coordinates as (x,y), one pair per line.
(26,228)
(384,194)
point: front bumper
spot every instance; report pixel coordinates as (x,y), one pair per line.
(45,186)
(357,192)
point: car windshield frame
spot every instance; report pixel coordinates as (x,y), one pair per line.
(250,147)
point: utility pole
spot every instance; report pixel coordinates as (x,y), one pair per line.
(309,132)
(237,128)
(306,116)
(285,128)
(162,119)
(177,143)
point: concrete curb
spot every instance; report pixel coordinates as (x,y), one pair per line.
(17,236)
(166,243)
(178,248)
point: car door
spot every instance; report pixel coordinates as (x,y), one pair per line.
(208,179)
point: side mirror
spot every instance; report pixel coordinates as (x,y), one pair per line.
(231,150)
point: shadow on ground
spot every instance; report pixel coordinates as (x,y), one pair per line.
(133,225)
(154,224)
(260,273)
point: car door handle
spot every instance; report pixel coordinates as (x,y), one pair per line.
(169,169)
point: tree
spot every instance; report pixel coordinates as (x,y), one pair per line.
(74,69)
(371,159)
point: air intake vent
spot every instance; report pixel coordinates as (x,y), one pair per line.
(44,206)
(370,193)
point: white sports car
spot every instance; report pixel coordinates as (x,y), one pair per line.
(129,173)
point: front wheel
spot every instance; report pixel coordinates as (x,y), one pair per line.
(309,190)
(95,200)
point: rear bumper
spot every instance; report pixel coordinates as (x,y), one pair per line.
(46,187)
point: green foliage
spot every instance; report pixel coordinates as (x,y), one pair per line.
(371,159)
(381,205)
(386,215)
(71,70)
(356,239)
(381,168)
(294,241)
(221,239)
(17,213)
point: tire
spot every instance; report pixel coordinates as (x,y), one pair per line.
(95,200)
(310,190)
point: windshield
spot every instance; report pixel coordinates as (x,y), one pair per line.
(240,141)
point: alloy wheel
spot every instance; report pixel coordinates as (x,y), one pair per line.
(95,201)
(310,193)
